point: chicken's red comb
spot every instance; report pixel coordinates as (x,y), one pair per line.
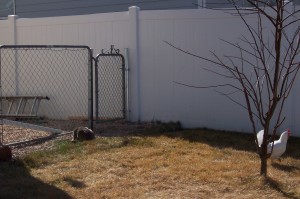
(289,132)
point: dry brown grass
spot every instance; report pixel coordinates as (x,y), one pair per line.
(194,164)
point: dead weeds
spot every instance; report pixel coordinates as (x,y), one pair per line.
(186,164)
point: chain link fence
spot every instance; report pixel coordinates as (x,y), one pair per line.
(44,90)
(110,86)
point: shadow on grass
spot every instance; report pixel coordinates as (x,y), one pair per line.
(16,182)
(217,139)
(74,183)
(293,148)
(286,168)
(220,139)
(276,186)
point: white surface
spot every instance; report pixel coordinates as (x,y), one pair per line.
(155,66)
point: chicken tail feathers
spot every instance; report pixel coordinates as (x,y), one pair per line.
(260,136)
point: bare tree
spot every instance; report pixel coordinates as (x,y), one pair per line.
(272,57)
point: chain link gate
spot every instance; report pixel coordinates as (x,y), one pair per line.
(47,90)
(110,85)
(44,90)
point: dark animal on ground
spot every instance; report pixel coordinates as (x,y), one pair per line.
(83,133)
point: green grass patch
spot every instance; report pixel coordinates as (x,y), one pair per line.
(63,150)
(66,150)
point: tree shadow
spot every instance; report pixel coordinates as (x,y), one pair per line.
(74,183)
(277,187)
(16,182)
(286,168)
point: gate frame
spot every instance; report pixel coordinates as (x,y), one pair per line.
(113,52)
(90,72)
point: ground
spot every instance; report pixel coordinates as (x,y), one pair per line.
(106,129)
(151,161)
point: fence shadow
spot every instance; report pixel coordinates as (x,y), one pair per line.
(16,182)
(216,138)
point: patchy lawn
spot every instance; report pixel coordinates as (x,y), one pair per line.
(187,164)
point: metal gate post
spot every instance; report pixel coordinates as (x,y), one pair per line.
(123,86)
(96,90)
(90,92)
(127,108)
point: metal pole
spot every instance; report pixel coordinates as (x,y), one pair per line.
(14,7)
(127,108)
(90,90)
(1,138)
(123,87)
(97,90)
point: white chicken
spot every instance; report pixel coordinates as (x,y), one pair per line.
(279,145)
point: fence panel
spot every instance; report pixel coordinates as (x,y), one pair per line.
(44,86)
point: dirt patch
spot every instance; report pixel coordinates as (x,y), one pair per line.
(42,140)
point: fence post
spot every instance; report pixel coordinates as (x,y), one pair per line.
(90,91)
(127,107)
(291,102)
(12,19)
(12,40)
(134,64)
(201,4)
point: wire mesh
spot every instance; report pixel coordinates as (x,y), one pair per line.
(110,87)
(43,85)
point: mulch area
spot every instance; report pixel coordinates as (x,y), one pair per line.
(41,140)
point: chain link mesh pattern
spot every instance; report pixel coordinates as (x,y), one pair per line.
(57,74)
(110,87)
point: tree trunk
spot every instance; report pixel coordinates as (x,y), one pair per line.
(263,158)
(263,166)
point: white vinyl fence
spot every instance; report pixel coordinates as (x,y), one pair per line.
(155,67)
